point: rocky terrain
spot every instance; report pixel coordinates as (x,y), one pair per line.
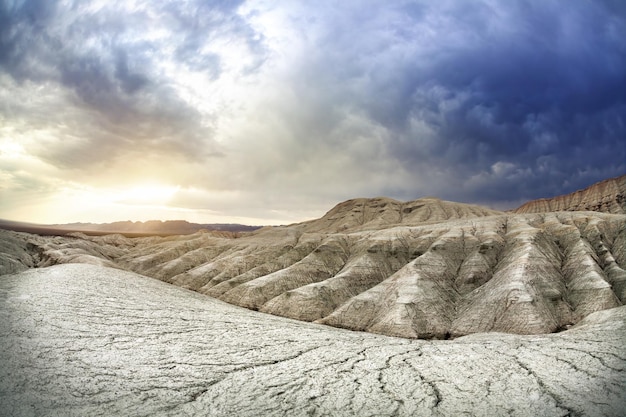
(84,340)
(422,269)
(533,304)
(608,196)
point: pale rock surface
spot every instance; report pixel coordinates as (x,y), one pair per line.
(458,272)
(608,196)
(381,213)
(85,340)
(526,274)
(17,253)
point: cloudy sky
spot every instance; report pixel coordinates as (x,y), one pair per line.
(270,112)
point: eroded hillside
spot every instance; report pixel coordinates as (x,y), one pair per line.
(608,196)
(422,269)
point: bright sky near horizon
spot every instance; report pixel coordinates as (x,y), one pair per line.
(271,112)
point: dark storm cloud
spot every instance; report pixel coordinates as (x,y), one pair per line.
(550,99)
(22,31)
(469,88)
(130,82)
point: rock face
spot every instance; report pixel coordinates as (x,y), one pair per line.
(17,252)
(85,340)
(608,196)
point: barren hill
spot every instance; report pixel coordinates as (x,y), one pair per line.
(380,213)
(421,269)
(608,196)
(513,273)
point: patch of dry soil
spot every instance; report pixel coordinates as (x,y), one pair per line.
(85,340)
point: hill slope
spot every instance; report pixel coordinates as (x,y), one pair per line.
(518,273)
(77,340)
(381,213)
(608,196)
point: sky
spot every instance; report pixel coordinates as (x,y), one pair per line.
(271,112)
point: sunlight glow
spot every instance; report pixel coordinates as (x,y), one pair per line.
(10,148)
(135,202)
(149,194)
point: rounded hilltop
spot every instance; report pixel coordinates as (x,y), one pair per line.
(381,212)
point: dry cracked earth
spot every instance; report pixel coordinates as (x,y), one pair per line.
(532,302)
(83,340)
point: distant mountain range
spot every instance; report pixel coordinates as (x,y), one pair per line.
(172,227)
(151,227)
(608,196)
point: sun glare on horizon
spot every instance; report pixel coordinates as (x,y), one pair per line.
(136,202)
(144,194)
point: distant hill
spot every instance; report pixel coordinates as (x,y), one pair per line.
(608,196)
(170,227)
(128,228)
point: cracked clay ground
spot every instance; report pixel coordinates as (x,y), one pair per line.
(80,340)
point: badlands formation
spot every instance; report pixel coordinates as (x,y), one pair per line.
(421,269)
(533,300)
(608,196)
